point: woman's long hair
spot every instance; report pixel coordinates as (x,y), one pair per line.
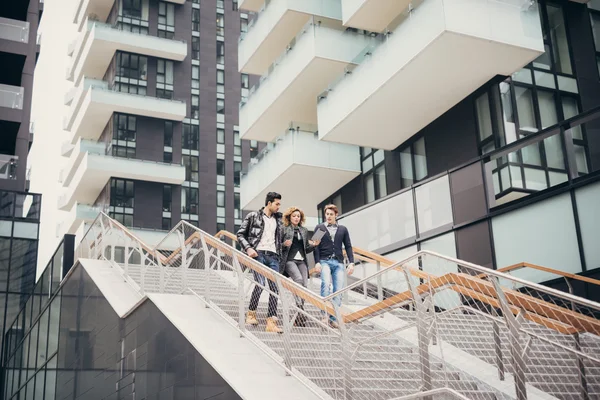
(287,216)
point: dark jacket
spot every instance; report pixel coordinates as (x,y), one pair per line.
(327,247)
(252,228)
(288,232)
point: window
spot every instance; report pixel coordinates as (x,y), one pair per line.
(189,200)
(121,201)
(237,206)
(245,81)
(167,198)
(220,227)
(220,24)
(220,81)
(374,173)
(557,55)
(191,167)
(166,20)
(195,48)
(220,4)
(195,77)
(131,73)
(253,149)
(191,134)
(133,16)
(413,163)
(234,4)
(220,198)
(237,173)
(220,141)
(220,52)
(164,79)
(166,224)
(168,142)
(133,8)
(243,24)
(195,19)
(237,144)
(220,167)
(167,157)
(220,106)
(195,107)
(123,141)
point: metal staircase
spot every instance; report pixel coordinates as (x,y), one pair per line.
(463,332)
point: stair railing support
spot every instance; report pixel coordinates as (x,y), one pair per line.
(241,295)
(347,352)
(287,325)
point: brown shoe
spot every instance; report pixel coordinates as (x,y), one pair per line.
(251,318)
(272,325)
(300,320)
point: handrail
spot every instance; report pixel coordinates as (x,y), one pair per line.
(539,311)
(523,265)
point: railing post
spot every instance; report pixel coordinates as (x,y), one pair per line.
(365,281)
(126,256)
(287,326)
(346,353)
(241,295)
(519,366)
(206,270)
(184,282)
(498,346)
(379,283)
(161,273)
(422,334)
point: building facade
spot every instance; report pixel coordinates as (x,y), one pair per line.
(430,131)
(153,117)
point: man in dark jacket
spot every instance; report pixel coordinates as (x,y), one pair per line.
(329,257)
(260,237)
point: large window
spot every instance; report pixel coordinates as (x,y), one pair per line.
(133,15)
(195,107)
(220,52)
(195,19)
(195,47)
(191,167)
(237,206)
(166,20)
(121,201)
(191,134)
(237,173)
(243,24)
(189,200)
(413,163)
(131,73)
(220,24)
(557,56)
(164,79)
(124,136)
(373,171)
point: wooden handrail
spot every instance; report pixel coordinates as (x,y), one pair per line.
(523,265)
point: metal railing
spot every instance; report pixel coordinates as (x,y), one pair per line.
(11,96)
(408,328)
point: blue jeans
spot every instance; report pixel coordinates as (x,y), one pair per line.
(332,271)
(272,262)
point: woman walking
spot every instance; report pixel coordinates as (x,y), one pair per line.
(293,255)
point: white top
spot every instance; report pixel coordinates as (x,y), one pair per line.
(267,240)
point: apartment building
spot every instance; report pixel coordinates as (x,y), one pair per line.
(431,129)
(19,210)
(152,125)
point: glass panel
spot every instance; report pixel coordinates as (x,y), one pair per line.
(33,350)
(510,129)
(547,104)
(554,152)
(369,188)
(535,179)
(571,109)
(581,159)
(434,206)
(406,169)
(560,44)
(42,355)
(589,221)
(545,79)
(420,160)
(516,178)
(381,182)
(531,154)
(382,224)
(595,19)
(367,164)
(567,84)
(556,178)
(378,157)
(484,118)
(543,61)
(550,223)
(446,245)
(523,75)
(525,109)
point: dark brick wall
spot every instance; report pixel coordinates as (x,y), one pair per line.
(158,362)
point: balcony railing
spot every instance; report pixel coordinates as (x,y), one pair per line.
(11,96)
(17,31)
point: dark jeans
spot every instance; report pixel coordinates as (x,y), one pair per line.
(271,261)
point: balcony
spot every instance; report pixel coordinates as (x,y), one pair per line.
(372,15)
(11,97)
(251,5)
(289,91)
(275,26)
(95,102)
(14,30)
(98,8)
(91,174)
(293,158)
(98,43)
(80,214)
(426,65)
(8,166)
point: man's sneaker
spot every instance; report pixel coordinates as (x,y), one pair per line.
(272,325)
(251,318)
